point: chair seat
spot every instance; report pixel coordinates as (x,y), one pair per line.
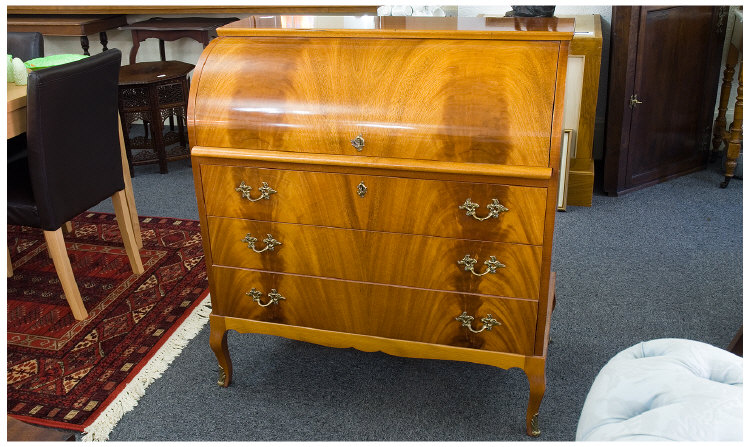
(665,390)
(22,208)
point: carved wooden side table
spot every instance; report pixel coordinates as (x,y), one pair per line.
(732,137)
(200,29)
(153,92)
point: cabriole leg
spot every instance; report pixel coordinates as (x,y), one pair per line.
(535,372)
(218,343)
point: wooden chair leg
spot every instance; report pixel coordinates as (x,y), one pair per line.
(56,246)
(10,265)
(126,230)
(67,228)
(129,191)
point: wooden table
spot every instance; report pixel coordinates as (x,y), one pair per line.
(17,125)
(68,25)
(200,29)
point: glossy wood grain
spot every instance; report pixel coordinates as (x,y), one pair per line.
(384,258)
(367,309)
(415,99)
(428,207)
(400,27)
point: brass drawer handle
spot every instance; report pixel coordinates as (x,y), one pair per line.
(492,265)
(358,143)
(494,206)
(488,322)
(265,191)
(269,240)
(273,294)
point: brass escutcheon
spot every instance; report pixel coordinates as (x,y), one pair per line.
(269,240)
(361,189)
(358,143)
(487,322)
(265,191)
(494,206)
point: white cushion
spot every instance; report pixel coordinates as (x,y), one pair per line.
(666,389)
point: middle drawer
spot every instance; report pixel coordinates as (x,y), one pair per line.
(378,203)
(490,268)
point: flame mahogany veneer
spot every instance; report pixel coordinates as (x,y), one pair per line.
(336,161)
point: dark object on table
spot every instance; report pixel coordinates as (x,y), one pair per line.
(25,45)
(531,11)
(74,160)
(151,92)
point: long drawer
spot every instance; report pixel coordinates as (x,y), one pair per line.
(448,100)
(511,270)
(378,203)
(369,309)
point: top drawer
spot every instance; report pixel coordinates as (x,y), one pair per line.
(454,100)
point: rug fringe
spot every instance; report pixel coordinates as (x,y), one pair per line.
(100,429)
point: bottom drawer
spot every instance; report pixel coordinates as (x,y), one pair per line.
(370,309)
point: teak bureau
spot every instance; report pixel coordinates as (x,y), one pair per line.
(383,183)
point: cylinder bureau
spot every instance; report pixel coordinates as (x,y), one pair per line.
(383,183)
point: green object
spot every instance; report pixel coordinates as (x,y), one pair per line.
(52,61)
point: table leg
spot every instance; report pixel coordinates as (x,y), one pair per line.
(157,131)
(735,136)
(85,45)
(103,40)
(134,48)
(720,125)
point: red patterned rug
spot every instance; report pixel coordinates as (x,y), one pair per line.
(65,373)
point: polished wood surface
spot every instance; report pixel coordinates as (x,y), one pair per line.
(581,176)
(16,109)
(399,167)
(148,72)
(384,258)
(378,310)
(189,9)
(319,96)
(284,105)
(487,28)
(64,25)
(429,207)
(659,54)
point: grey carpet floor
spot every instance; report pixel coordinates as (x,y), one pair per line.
(665,261)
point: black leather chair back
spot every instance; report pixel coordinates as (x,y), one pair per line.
(25,46)
(73,140)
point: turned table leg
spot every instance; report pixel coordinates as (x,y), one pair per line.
(735,136)
(218,343)
(720,125)
(85,45)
